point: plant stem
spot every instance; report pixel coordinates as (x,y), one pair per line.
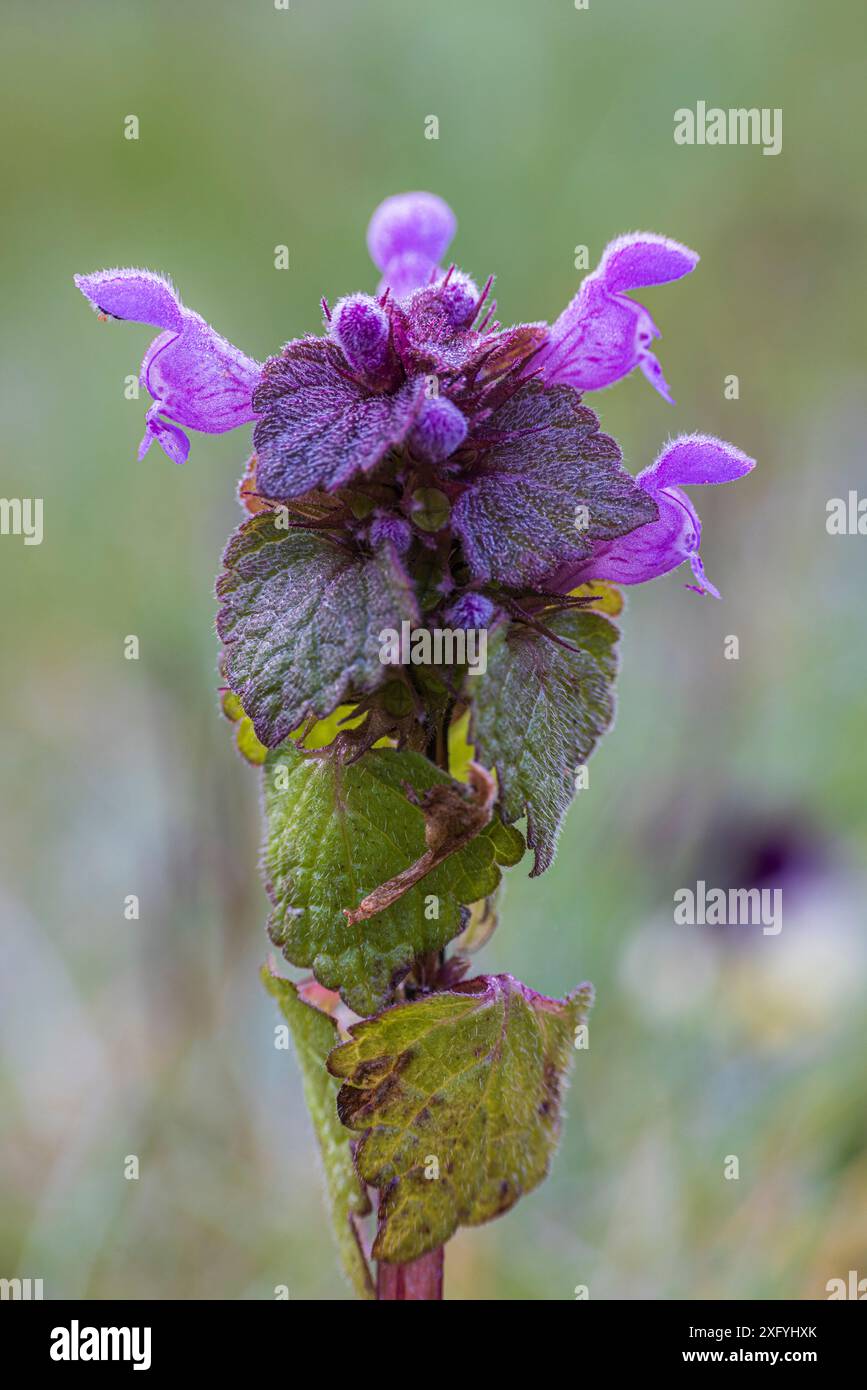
(420,1279)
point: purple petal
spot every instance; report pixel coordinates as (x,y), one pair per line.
(601,336)
(460,298)
(198,378)
(420,223)
(661,546)
(173,442)
(391,530)
(696,458)
(649,364)
(439,430)
(408,272)
(202,381)
(703,584)
(139,295)
(597,340)
(407,237)
(362,329)
(471,611)
(643,258)
(646,553)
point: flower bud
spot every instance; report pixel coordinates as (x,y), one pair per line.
(361,328)
(438,431)
(459,297)
(391,529)
(471,611)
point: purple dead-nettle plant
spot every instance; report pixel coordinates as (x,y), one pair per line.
(420,475)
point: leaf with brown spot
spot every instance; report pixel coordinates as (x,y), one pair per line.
(451,820)
(336,832)
(473,1077)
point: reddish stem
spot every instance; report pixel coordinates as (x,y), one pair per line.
(420,1279)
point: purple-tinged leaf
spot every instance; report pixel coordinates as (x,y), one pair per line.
(320,425)
(545,484)
(300,620)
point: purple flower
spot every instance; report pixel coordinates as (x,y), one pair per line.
(459,295)
(196,378)
(675,536)
(602,335)
(391,530)
(501,475)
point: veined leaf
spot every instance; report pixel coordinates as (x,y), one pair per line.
(539,711)
(338,831)
(544,489)
(300,621)
(319,427)
(457,1098)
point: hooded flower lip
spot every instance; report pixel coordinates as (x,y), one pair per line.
(196,378)
(407,237)
(662,545)
(602,335)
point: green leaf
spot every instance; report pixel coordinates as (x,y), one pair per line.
(326,730)
(539,712)
(300,620)
(460,749)
(315,1034)
(245,738)
(338,831)
(457,1096)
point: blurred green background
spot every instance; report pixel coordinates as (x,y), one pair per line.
(258,128)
